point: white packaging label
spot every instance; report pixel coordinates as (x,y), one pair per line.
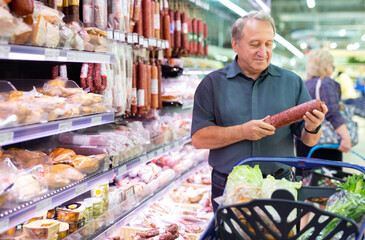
(84,69)
(185,28)
(140,98)
(178,25)
(88,13)
(59,3)
(134,96)
(63,71)
(154,86)
(156,21)
(103,70)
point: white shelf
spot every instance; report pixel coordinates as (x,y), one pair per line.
(33,53)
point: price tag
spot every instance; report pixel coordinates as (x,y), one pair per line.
(130,38)
(159,152)
(116,35)
(122,169)
(158,43)
(51,54)
(129,192)
(167,44)
(44,205)
(141,40)
(96,120)
(6,138)
(81,189)
(163,46)
(4,51)
(152,42)
(109,34)
(135,38)
(64,127)
(151,155)
(143,159)
(71,56)
(122,37)
(145,44)
(4,225)
(167,148)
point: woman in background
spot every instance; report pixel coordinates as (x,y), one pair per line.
(320,68)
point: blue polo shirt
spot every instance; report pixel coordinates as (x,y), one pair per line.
(227,97)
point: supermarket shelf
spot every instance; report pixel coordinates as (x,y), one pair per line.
(33,53)
(34,131)
(123,218)
(13,217)
(185,104)
(151,155)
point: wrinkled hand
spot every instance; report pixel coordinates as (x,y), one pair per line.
(312,121)
(257,129)
(345,144)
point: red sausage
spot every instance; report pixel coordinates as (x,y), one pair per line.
(166,33)
(177,33)
(200,31)
(89,81)
(137,10)
(138,26)
(55,71)
(97,76)
(152,17)
(83,75)
(194,24)
(103,77)
(146,10)
(159,72)
(293,114)
(141,87)
(205,40)
(172,28)
(134,89)
(184,31)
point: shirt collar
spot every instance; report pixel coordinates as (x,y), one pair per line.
(234,70)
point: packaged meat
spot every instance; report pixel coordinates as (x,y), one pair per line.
(61,155)
(85,164)
(88,13)
(42,229)
(72,212)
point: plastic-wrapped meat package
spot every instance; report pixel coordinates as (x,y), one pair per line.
(119,90)
(116,15)
(108,92)
(88,13)
(165,177)
(82,139)
(129,77)
(146,174)
(100,13)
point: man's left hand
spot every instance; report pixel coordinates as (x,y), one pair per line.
(313,120)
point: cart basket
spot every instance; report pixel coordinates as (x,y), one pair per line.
(243,221)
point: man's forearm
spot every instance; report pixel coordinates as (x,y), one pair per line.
(310,139)
(216,137)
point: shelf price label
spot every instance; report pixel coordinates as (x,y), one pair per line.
(4,225)
(141,40)
(44,205)
(158,43)
(130,38)
(81,189)
(143,159)
(151,155)
(159,152)
(51,54)
(64,127)
(6,138)
(122,37)
(4,51)
(135,38)
(96,120)
(167,148)
(123,169)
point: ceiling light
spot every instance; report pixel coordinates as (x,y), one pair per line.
(263,6)
(311,3)
(333,45)
(342,32)
(350,47)
(356,46)
(277,37)
(363,37)
(303,45)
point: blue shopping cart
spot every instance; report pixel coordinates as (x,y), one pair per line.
(227,224)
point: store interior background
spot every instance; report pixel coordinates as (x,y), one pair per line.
(336,25)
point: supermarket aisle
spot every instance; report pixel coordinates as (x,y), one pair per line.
(360,147)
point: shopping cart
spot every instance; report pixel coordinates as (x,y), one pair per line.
(227,223)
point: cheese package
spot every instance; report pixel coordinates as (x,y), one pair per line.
(39,32)
(42,229)
(53,36)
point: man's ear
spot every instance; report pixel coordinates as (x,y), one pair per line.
(234,45)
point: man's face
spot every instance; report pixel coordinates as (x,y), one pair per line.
(254,49)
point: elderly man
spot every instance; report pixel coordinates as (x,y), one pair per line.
(231,103)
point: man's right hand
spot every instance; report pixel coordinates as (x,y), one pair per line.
(257,129)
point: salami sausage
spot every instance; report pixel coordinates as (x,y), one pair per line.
(134,90)
(131,9)
(146,16)
(177,33)
(55,71)
(89,80)
(138,26)
(83,75)
(162,14)
(166,34)
(194,24)
(157,20)
(97,76)
(172,28)
(184,31)
(159,72)
(205,40)
(148,88)
(141,87)
(148,233)
(152,17)
(103,77)
(293,114)
(137,10)
(172,228)
(154,86)
(190,36)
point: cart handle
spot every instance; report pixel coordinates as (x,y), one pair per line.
(334,146)
(301,162)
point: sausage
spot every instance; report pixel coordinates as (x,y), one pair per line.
(131,9)
(146,16)
(172,228)
(162,15)
(137,10)
(154,86)
(205,39)
(177,33)
(166,33)
(293,114)
(83,75)
(103,77)
(148,233)
(165,236)
(138,26)
(200,31)
(172,28)
(190,36)
(157,20)
(134,90)
(194,24)
(89,80)
(152,17)
(55,71)
(74,9)
(22,7)
(148,95)
(97,76)
(184,31)
(141,87)
(88,13)
(159,72)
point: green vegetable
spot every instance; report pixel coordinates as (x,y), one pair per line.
(355,184)
(244,174)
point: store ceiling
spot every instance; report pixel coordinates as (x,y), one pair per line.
(330,21)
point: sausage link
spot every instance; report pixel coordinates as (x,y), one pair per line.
(184,31)
(146,12)
(205,39)
(55,71)
(97,76)
(293,114)
(157,20)
(89,81)
(152,17)
(154,87)
(131,9)
(83,75)
(167,36)
(159,72)
(137,10)
(194,24)
(141,87)
(138,26)
(172,28)
(200,31)
(148,233)
(177,33)
(148,88)
(103,77)
(134,90)
(162,27)
(190,36)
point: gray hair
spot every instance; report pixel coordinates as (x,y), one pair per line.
(237,28)
(319,63)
